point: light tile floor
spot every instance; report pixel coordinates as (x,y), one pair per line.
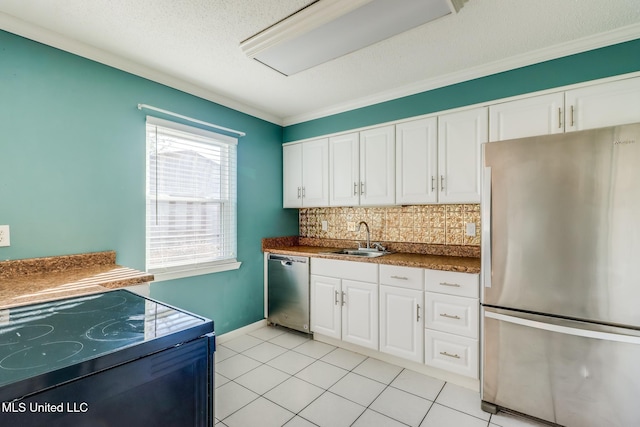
(274,377)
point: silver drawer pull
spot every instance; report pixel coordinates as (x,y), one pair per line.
(454,285)
(336,297)
(444,353)
(343,298)
(417,312)
(400,277)
(449,316)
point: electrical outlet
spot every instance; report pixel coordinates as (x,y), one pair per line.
(471,229)
(351,226)
(4,317)
(4,235)
(325,225)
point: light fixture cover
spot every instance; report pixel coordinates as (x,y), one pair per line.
(328,29)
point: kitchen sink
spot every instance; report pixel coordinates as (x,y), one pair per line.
(365,253)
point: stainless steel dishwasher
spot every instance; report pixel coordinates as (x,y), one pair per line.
(288,291)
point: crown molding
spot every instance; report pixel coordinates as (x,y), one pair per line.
(584,44)
(51,38)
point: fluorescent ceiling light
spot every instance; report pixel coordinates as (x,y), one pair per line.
(328,29)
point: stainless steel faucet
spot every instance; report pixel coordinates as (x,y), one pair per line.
(368,233)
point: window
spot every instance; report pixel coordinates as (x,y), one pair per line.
(191,200)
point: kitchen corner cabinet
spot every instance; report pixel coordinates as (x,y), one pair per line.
(402,312)
(306,174)
(362,168)
(606,104)
(344,301)
(460,139)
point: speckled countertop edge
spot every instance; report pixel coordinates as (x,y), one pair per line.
(34,280)
(301,247)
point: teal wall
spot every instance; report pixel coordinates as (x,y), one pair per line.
(599,63)
(72,173)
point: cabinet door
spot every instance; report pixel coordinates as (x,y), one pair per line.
(460,136)
(344,179)
(538,115)
(360,313)
(607,104)
(377,166)
(292,175)
(325,306)
(417,161)
(401,322)
(315,173)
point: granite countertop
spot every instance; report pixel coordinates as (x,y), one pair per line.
(446,258)
(27,281)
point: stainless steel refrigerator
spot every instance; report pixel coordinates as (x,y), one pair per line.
(561,277)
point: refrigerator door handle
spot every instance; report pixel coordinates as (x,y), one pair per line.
(485,236)
(587,333)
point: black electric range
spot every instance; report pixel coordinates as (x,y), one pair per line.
(45,346)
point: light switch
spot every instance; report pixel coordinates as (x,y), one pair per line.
(325,225)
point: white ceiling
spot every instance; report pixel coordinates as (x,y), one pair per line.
(193,45)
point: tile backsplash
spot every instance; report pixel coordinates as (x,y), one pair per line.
(434,224)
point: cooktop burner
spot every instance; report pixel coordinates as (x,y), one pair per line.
(44,337)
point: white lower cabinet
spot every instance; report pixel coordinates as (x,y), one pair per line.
(402,312)
(401,322)
(344,301)
(452,322)
(451,352)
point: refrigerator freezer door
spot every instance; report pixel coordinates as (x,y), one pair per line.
(565,224)
(567,372)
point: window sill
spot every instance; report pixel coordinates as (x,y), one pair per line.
(164,275)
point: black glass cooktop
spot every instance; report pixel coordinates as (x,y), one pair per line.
(41,338)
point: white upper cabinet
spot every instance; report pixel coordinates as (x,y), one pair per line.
(362,168)
(306,174)
(292,175)
(607,104)
(460,139)
(344,175)
(537,115)
(377,166)
(417,161)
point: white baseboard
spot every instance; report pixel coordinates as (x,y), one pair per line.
(241,331)
(470,383)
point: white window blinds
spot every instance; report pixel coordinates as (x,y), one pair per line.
(191,199)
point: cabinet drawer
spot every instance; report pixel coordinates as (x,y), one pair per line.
(457,315)
(451,352)
(402,277)
(351,270)
(452,282)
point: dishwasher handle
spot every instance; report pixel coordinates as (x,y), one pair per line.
(288,260)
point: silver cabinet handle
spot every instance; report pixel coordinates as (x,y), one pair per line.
(361,187)
(343,298)
(559,118)
(444,353)
(448,316)
(433,183)
(400,277)
(336,298)
(572,116)
(441,182)
(299,192)
(355,188)
(453,285)
(417,312)
(303,192)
